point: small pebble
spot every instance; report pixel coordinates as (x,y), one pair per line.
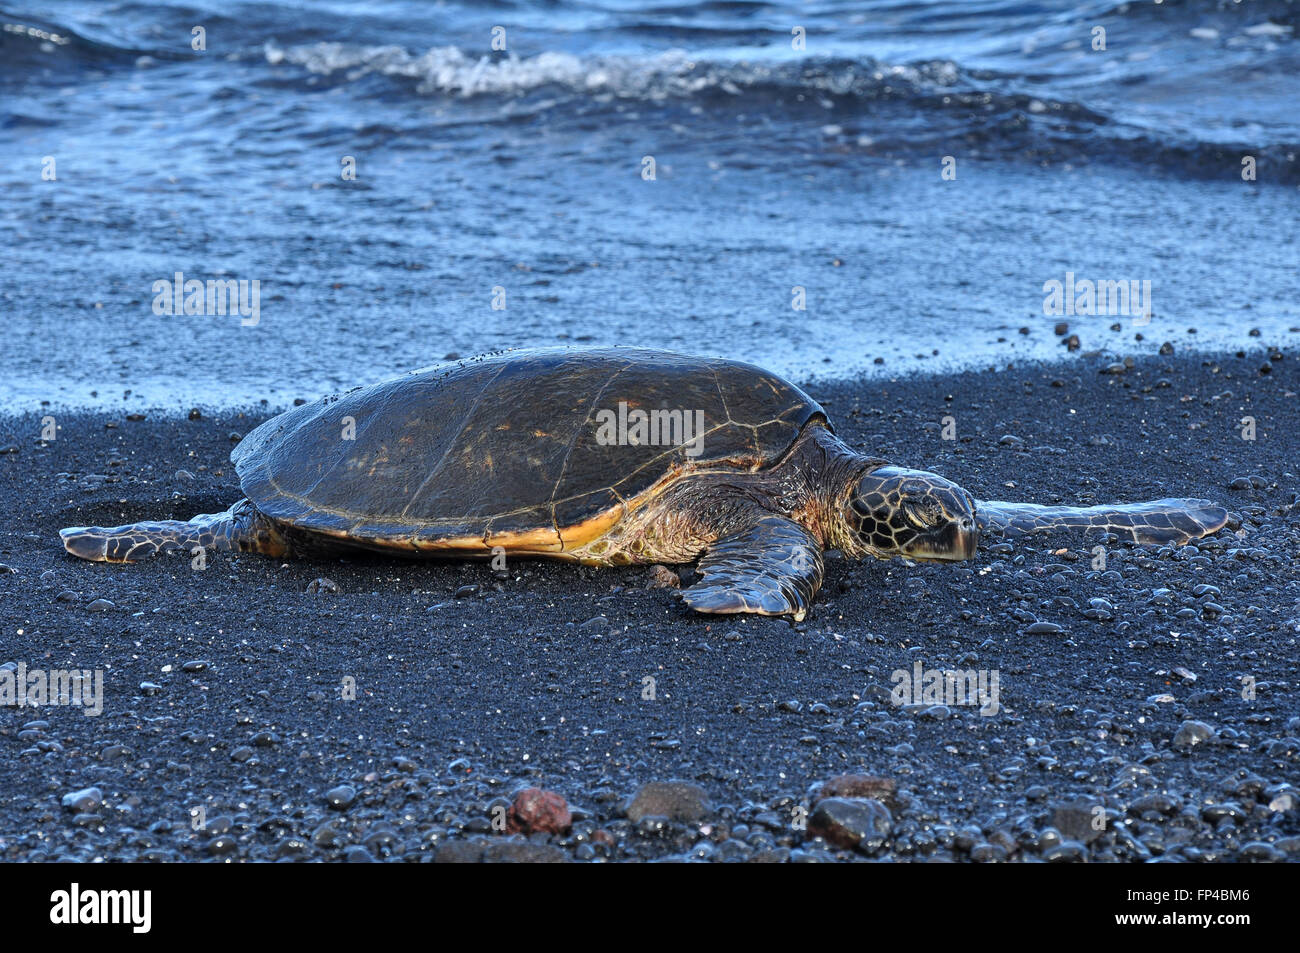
(341,797)
(1192,733)
(84,800)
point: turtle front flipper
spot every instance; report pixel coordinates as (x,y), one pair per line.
(773,567)
(242,528)
(1158,522)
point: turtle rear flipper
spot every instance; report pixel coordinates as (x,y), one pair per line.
(1157,522)
(240,528)
(773,567)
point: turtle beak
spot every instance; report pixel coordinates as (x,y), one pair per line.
(962,537)
(968,538)
(955,541)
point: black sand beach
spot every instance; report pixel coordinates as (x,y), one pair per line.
(1148,709)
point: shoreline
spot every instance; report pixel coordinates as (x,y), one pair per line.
(913,370)
(1120,689)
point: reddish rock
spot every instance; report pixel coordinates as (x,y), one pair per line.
(535,810)
(858,785)
(661,577)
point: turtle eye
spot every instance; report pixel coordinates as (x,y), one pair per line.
(919,515)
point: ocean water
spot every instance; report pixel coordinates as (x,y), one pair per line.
(911,178)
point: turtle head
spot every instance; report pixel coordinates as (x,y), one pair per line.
(912,513)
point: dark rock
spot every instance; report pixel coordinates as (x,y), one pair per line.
(499,852)
(221,845)
(329,834)
(1066,852)
(1260,852)
(675,800)
(859,824)
(1080,819)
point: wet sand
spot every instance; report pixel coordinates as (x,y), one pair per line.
(1121,732)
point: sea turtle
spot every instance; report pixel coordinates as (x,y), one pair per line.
(607,456)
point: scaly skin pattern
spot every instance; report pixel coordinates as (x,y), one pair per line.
(676,523)
(892,511)
(783,582)
(241,528)
(1158,522)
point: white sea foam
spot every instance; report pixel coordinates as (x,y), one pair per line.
(449,70)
